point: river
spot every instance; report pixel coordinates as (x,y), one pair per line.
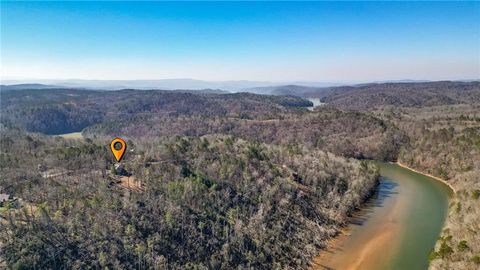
(397,228)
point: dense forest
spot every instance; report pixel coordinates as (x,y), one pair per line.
(375,95)
(405,95)
(203,202)
(268,119)
(57,111)
(343,133)
(445,142)
(220,180)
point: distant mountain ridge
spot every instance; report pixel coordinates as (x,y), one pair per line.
(27,86)
(402,94)
(353,96)
(364,96)
(166,84)
(292,90)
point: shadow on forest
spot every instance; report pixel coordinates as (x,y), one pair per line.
(386,188)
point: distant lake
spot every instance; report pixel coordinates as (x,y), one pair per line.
(316,102)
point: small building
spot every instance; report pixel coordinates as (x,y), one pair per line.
(41,167)
(5,198)
(120,170)
(297,178)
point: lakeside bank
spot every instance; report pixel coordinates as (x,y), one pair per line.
(396,229)
(427,174)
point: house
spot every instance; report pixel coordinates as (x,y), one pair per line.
(41,167)
(120,170)
(297,178)
(5,198)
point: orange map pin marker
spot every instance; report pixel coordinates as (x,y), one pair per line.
(118,147)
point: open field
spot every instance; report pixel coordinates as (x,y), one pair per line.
(73,135)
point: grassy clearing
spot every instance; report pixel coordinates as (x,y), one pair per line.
(73,135)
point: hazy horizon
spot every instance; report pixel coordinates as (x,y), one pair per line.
(339,42)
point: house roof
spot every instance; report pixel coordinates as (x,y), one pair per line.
(4,197)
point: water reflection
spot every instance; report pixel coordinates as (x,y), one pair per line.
(385,189)
(316,102)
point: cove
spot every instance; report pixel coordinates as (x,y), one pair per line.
(396,229)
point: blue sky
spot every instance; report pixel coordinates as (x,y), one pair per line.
(281,41)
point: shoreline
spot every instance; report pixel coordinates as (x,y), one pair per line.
(324,259)
(426,174)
